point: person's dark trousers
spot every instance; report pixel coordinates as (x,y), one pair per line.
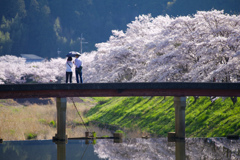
(77,76)
(69,75)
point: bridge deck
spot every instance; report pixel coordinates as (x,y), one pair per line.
(118,89)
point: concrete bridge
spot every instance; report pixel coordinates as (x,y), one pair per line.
(177,89)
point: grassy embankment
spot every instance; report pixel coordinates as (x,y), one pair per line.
(156,115)
(138,115)
(21,121)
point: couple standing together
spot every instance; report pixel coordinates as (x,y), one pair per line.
(78,68)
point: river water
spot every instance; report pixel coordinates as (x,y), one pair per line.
(135,148)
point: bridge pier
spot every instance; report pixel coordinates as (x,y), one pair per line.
(180,106)
(61,120)
(179,139)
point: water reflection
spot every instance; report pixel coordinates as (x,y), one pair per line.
(180,151)
(47,150)
(61,150)
(190,149)
(139,149)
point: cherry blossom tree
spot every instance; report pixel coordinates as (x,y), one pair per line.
(196,48)
(204,47)
(16,70)
(12,69)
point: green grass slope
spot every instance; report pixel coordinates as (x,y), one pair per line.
(156,115)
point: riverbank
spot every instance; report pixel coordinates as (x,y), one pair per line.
(137,116)
(25,119)
(205,116)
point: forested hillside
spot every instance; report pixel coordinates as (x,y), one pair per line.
(43,26)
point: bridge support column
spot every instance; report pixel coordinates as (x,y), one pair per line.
(61,120)
(180,106)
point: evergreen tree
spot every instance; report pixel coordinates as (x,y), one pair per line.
(9,8)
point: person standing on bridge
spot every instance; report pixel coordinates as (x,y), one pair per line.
(69,66)
(78,69)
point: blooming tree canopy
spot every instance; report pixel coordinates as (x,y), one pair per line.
(200,48)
